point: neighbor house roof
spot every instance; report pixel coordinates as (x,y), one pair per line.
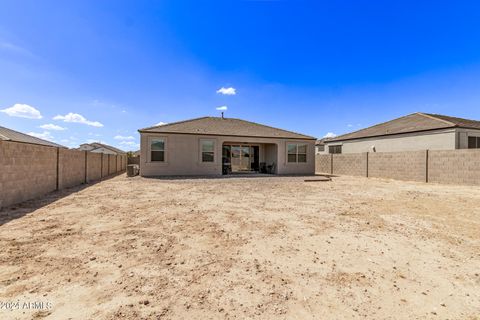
(225,127)
(15,136)
(98,145)
(415,122)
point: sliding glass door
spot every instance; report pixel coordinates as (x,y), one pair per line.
(242,157)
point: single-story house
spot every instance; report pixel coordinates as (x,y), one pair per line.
(15,136)
(417,131)
(98,147)
(218,145)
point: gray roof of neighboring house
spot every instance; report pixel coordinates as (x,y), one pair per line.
(225,127)
(415,122)
(12,135)
(106,146)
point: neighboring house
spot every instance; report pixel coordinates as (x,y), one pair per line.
(216,145)
(417,131)
(320,146)
(98,147)
(15,136)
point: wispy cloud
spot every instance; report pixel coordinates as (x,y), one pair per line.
(119,137)
(222,108)
(52,126)
(8,46)
(227,91)
(330,135)
(161,123)
(77,118)
(130,144)
(22,111)
(44,135)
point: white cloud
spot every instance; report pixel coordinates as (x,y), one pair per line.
(77,118)
(51,126)
(118,137)
(349,125)
(227,91)
(44,135)
(130,144)
(222,108)
(8,46)
(330,135)
(161,123)
(22,111)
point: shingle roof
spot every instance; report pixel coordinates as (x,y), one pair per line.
(414,122)
(12,135)
(225,127)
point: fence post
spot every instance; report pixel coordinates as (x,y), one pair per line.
(86,165)
(367,164)
(101,166)
(108,167)
(331,163)
(58,169)
(426,166)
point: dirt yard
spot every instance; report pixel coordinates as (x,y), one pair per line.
(243,248)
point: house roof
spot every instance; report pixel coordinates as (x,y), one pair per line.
(415,122)
(12,135)
(98,145)
(225,127)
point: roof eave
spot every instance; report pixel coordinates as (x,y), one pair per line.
(227,135)
(393,134)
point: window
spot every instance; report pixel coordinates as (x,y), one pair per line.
(320,148)
(335,149)
(473,142)
(157,150)
(208,150)
(296,153)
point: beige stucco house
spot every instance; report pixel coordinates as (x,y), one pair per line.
(97,147)
(217,145)
(417,131)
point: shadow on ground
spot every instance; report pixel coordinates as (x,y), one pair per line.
(19,210)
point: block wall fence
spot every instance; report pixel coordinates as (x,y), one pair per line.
(446,167)
(28,171)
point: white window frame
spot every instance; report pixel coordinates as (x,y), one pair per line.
(200,154)
(165,149)
(296,152)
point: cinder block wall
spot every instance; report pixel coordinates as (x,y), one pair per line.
(29,171)
(454,166)
(113,162)
(409,166)
(94,166)
(71,168)
(26,171)
(322,163)
(352,164)
(105,165)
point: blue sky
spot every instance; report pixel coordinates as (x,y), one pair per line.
(100,70)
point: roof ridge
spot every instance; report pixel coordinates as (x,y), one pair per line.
(373,126)
(435,117)
(264,125)
(172,123)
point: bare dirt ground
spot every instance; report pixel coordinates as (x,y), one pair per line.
(244,248)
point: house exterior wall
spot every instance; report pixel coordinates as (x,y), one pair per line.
(462,137)
(182,155)
(432,140)
(447,139)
